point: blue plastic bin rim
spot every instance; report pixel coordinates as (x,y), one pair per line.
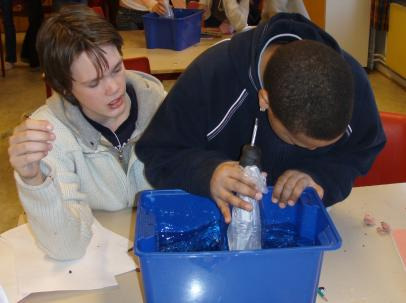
(333,245)
(193,12)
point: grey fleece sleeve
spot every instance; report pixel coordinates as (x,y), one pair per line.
(56,210)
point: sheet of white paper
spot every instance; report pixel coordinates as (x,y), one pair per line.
(105,257)
(8,279)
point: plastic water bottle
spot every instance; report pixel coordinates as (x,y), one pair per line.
(168,9)
(244,231)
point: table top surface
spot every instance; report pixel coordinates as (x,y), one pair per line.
(365,269)
(163,60)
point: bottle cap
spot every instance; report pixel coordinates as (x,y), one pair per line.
(251,155)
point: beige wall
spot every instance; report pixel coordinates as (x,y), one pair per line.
(348,22)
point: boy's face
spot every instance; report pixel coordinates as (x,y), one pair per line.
(102,98)
(299,139)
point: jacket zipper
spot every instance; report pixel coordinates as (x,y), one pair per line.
(120,154)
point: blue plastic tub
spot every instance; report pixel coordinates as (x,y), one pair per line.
(177,33)
(267,275)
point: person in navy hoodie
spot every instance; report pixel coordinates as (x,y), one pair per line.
(318,122)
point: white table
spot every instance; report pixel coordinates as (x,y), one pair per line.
(366,269)
(164,61)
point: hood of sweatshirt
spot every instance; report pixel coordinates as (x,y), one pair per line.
(282,27)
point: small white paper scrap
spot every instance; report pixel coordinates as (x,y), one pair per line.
(3,297)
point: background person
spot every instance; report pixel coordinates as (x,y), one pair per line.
(227,15)
(9,32)
(130,12)
(273,7)
(35,17)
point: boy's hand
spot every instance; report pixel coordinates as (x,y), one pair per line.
(30,143)
(228,180)
(290,186)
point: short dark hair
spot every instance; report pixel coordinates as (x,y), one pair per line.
(310,89)
(64,36)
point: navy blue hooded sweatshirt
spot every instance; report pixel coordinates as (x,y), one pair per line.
(209,114)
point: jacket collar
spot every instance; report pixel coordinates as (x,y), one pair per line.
(72,118)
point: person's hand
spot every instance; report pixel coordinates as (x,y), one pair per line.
(30,142)
(159,8)
(290,186)
(226,28)
(228,179)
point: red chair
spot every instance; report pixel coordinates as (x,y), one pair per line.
(98,10)
(139,63)
(100,7)
(390,164)
(193,5)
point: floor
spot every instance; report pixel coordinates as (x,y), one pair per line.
(23,90)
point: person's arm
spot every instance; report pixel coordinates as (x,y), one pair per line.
(272,7)
(173,147)
(237,13)
(49,190)
(155,6)
(205,5)
(297,6)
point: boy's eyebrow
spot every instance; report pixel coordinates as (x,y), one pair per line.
(97,78)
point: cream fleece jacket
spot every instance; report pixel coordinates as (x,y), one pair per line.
(83,173)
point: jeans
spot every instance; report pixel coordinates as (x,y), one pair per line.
(35,17)
(129,19)
(9,29)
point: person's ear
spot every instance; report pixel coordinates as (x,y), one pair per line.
(263,100)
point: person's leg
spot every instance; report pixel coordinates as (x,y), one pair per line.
(57,4)
(113,6)
(254,15)
(35,17)
(212,22)
(9,30)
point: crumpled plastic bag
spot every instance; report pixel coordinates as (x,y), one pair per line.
(244,231)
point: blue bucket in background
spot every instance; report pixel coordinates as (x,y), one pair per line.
(288,274)
(178,33)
